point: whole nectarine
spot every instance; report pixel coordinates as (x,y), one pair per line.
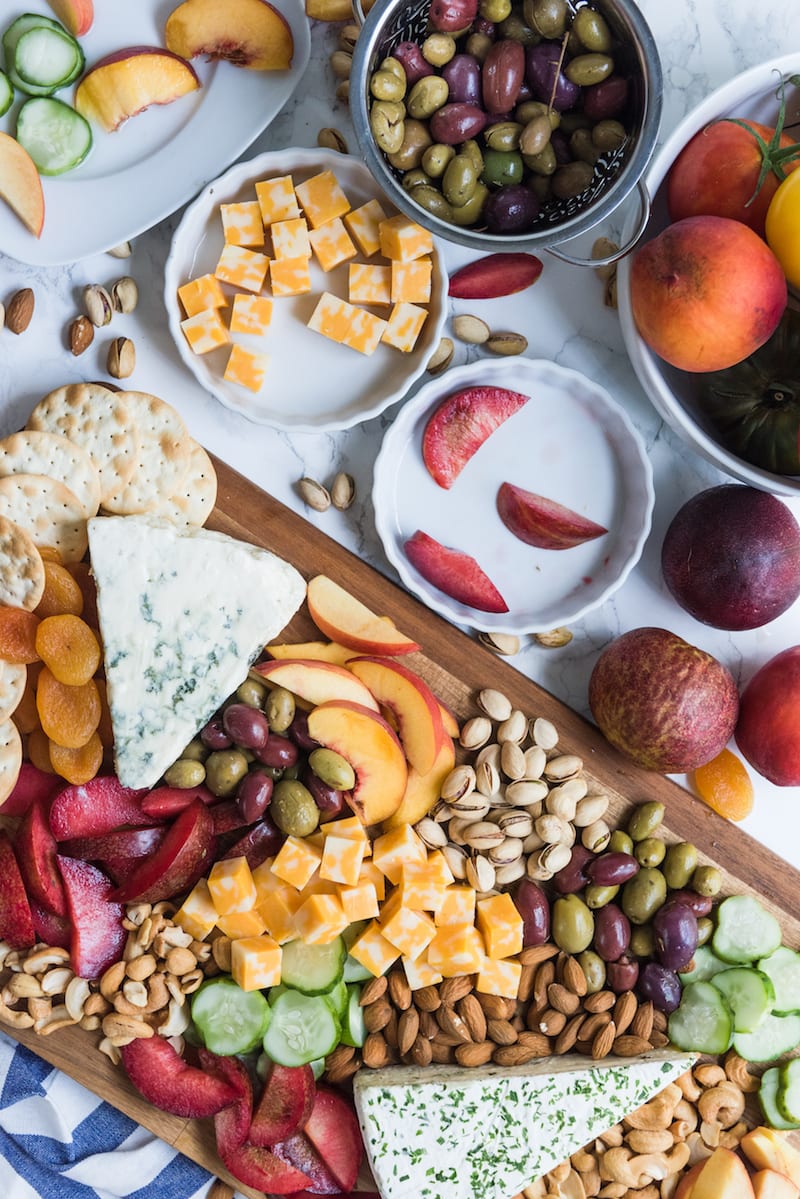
(768,730)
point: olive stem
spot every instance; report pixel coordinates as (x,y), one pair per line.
(557,72)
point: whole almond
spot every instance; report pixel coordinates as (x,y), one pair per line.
(600,1001)
(603,1041)
(399,990)
(642,1023)
(475,1055)
(502,1032)
(496,1007)
(427,1025)
(551,1023)
(473,1016)
(513,1055)
(541,1045)
(630,1046)
(569,1035)
(451,1023)
(545,976)
(390,1030)
(658,1040)
(453,989)
(372,990)
(81,335)
(375,1052)
(532,955)
(442,1054)
(624,1010)
(562,999)
(20,310)
(572,976)
(407,1030)
(377,1015)
(341,1065)
(659,1020)
(527,980)
(427,999)
(421,1052)
(592,1024)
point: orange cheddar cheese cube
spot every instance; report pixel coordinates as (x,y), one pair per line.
(457,906)
(498,976)
(373,951)
(402,239)
(347,324)
(246,367)
(320,919)
(276,199)
(404,326)
(500,924)
(419,973)
(411,281)
(395,849)
(242,924)
(341,860)
(369,284)
(231,885)
(456,949)
(331,244)
(296,861)
(205,331)
(423,891)
(277,911)
(322,198)
(363,224)
(317,885)
(409,931)
(250,314)
(349,826)
(290,238)
(290,276)
(360,902)
(370,873)
(242,267)
(199,294)
(256,962)
(437,868)
(197,914)
(242,223)
(266,882)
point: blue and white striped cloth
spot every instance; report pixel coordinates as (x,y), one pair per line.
(59,1141)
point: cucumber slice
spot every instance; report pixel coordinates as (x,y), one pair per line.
(354,1030)
(48,58)
(354,972)
(12,36)
(745,930)
(706,965)
(783,967)
(6,93)
(312,969)
(703,1021)
(56,136)
(337,997)
(788,1096)
(229,1019)
(317,1068)
(775,1036)
(750,995)
(302,1029)
(768,1100)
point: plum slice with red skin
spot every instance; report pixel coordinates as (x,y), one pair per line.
(50,928)
(124,843)
(16,920)
(32,784)
(455,573)
(159,1072)
(333,1130)
(163,803)
(37,854)
(461,424)
(96,807)
(495,275)
(98,937)
(231,1123)
(298,1151)
(284,1106)
(542,522)
(182,857)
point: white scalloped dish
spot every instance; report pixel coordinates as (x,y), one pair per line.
(571,443)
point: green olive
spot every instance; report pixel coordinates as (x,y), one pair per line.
(650,852)
(432,200)
(478,45)
(292,772)
(643,895)
(438,49)
(535,135)
(588,69)
(293,808)
(436,158)
(516,30)
(582,146)
(280,709)
(705,929)
(469,213)
(594,969)
(571,179)
(394,66)
(543,163)
(416,140)
(459,181)
(333,770)
(224,769)
(707,880)
(252,693)
(597,896)
(274,772)
(679,865)
(503,136)
(502,166)
(385,85)
(495,10)
(609,134)
(572,924)
(186,772)
(415,178)
(196,750)
(592,31)
(528,109)
(643,941)
(645,819)
(547,17)
(474,151)
(427,95)
(386,121)
(620,842)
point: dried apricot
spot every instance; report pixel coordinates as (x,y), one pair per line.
(69,647)
(82,574)
(62,593)
(69,714)
(18,635)
(104,728)
(77,765)
(25,715)
(49,553)
(724,784)
(38,750)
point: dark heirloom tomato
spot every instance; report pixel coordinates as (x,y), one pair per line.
(717,174)
(755,405)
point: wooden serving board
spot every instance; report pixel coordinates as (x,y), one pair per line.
(456,667)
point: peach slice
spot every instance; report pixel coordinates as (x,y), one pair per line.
(423,790)
(343,618)
(372,749)
(412,703)
(125,83)
(684,1187)
(768,1184)
(317,682)
(768,1149)
(449,722)
(20,185)
(724,1174)
(542,522)
(248,33)
(321,651)
(76,15)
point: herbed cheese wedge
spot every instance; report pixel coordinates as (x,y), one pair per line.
(446,1133)
(183,613)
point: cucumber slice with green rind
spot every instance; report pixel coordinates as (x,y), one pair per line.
(337,997)
(354,1030)
(6,93)
(783,967)
(354,972)
(768,1100)
(229,1019)
(48,58)
(312,969)
(775,1036)
(788,1096)
(56,136)
(706,965)
(703,1021)
(302,1029)
(16,30)
(745,931)
(750,995)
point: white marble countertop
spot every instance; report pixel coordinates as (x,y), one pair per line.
(702,43)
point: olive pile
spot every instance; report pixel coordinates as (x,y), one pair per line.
(502,110)
(640,942)
(257,751)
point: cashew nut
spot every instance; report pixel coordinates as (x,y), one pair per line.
(44,957)
(698,1150)
(111,980)
(141,967)
(56,980)
(658,1113)
(24,986)
(135,992)
(177,1020)
(570,1186)
(157,993)
(731,1137)
(591,1182)
(535,1190)
(613,1190)
(13,1017)
(688,1087)
(737,1072)
(58,1017)
(76,996)
(612,1138)
(722,1105)
(136,914)
(192,981)
(650,1140)
(110,1050)
(40,1008)
(709,1074)
(615,1166)
(583,1161)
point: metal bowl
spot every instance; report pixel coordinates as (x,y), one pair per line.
(616,174)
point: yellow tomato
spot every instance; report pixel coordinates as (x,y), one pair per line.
(783,227)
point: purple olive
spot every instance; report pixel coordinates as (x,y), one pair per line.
(298,731)
(213,735)
(622,974)
(455,123)
(513,208)
(246,726)
(661,986)
(410,57)
(573,877)
(253,795)
(483,26)
(279,752)
(329,800)
(543,76)
(612,869)
(675,928)
(701,905)
(534,908)
(605,99)
(451,16)
(612,932)
(462,74)
(502,75)
(561,147)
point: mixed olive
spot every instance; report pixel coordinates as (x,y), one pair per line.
(502,110)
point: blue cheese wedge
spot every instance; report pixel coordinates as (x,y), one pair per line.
(448,1133)
(183,613)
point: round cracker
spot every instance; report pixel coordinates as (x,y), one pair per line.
(21,568)
(13,677)
(98,420)
(194,503)
(162,459)
(36,452)
(10,758)
(48,511)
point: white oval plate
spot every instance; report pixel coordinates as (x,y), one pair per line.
(571,443)
(313,384)
(159,159)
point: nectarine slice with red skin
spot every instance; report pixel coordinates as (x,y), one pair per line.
(411,702)
(323,651)
(423,790)
(454,572)
(16,920)
(767,730)
(20,184)
(461,424)
(159,1073)
(769,1184)
(128,81)
(343,618)
(373,750)
(316,681)
(495,275)
(248,33)
(542,522)
(298,1151)
(75,15)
